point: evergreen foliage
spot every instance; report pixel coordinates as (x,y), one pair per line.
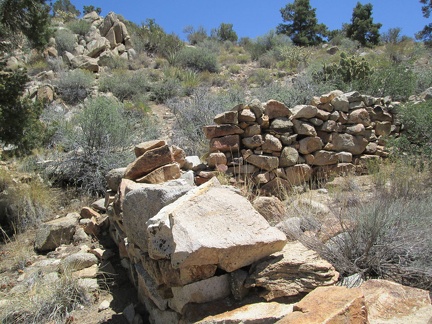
(302,25)
(362,27)
(19,117)
(225,32)
(65,6)
(28,17)
(426,33)
(88,9)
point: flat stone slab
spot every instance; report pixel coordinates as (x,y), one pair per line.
(212,224)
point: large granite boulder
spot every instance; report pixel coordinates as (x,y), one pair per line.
(209,225)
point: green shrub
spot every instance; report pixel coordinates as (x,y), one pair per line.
(196,111)
(65,41)
(243,58)
(197,59)
(303,88)
(152,38)
(416,139)
(195,36)
(389,79)
(235,69)
(114,62)
(97,140)
(19,117)
(80,26)
(265,43)
(74,86)
(260,77)
(124,84)
(165,89)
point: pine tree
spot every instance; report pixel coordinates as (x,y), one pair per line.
(65,6)
(362,27)
(302,26)
(88,9)
(27,17)
(426,33)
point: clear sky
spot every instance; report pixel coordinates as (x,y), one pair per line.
(254,18)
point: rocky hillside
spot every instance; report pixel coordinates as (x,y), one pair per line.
(221,182)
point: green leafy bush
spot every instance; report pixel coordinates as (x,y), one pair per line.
(124,84)
(416,139)
(65,41)
(197,59)
(80,26)
(74,86)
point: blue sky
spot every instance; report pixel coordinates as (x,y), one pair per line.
(254,18)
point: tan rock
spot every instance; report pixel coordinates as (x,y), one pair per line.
(149,161)
(271,208)
(230,143)
(303,128)
(271,144)
(45,94)
(251,313)
(289,157)
(277,187)
(221,130)
(387,300)
(228,117)
(162,174)
(310,144)
(274,109)
(143,147)
(216,158)
(359,116)
(253,142)
(383,128)
(200,292)
(246,115)
(322,114)
(263,162)
(292,271)
(341,103)
(87,212)
(179,155)
(304,111)
(298,174)
(211,225)
(337,305)
(349,143)
(323,157)
(328,97)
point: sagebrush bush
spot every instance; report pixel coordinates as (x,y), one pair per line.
(65,41)
(197,111)
(79,26)
(114,62)
(197,59)
(97,140)
(265,43)
(124,84)
(416,138)
(260,77)
(303,88)
(164,89)
(74,86)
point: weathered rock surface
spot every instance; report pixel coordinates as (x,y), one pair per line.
(212,225)
(390,301)
(149,161)
(259,313)
(329,305)
(56,232)
(290,272)
(271,208)
(145,202)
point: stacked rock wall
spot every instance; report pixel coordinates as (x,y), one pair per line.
(188,245)
(276,145)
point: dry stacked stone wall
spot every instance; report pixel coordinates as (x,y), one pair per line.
(277,145)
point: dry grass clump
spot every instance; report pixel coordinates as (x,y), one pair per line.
(47,299)
(25,201)
(388,235)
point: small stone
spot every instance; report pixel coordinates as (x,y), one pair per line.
(104,305)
